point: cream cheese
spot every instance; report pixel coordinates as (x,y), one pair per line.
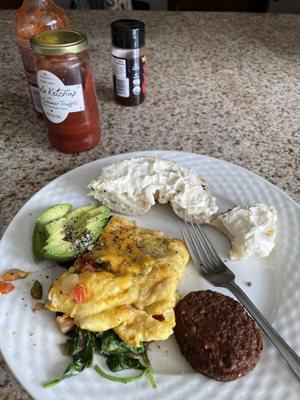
(251,230)
(132,186)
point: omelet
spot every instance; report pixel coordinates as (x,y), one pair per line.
(133,291)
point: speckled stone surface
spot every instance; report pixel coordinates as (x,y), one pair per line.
(224,85)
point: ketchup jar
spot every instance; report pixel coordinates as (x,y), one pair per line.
(67,89)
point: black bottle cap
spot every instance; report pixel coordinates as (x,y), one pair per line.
(128,33)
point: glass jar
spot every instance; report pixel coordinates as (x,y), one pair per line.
(34,17)
(67,89)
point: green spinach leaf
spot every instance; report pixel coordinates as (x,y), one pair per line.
(140,350)
(109,343)
(119,362)
(81,361)
(149,370)
(72,346)
(118,378)
(82,344)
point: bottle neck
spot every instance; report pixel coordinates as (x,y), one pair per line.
(36,3)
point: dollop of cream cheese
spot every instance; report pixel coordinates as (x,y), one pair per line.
(132,186)
(251,230)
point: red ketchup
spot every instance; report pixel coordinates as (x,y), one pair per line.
(67,90)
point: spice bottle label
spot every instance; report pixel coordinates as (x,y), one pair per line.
(58,99)
(129,76)
(121,81)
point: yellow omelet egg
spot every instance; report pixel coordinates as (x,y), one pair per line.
(135,291)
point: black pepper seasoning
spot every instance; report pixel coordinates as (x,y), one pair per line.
(129,61)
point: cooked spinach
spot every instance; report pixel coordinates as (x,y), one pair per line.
(72,346)
(78,338)
(81,359)
(149,370)
(82,344)
(118,378)
(108,342)
(119,362)
(120,356)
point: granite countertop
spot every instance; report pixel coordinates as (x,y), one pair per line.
(220,84)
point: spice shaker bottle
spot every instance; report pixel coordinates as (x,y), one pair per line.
(129,61)
(67,90)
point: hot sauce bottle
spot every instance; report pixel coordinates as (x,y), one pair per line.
(67,90)
(129,61)
(33,17)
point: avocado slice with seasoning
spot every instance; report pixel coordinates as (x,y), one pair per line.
(52,213)
(76,219)
(75,233)
(97,211)
(60,251)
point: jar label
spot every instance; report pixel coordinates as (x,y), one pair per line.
(120,76)
(129,76)
(58,99)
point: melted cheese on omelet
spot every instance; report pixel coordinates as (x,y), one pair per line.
(136,298)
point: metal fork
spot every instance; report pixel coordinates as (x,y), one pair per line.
(210,265)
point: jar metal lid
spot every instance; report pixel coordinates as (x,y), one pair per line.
(58,42)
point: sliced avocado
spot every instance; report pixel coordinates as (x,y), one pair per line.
(72,216)
(38,241)
(77,218)
(61,251)
(54,212)
(95,229)
(39,235)
(75,233)
(79,222)
(102,210)
(56,226)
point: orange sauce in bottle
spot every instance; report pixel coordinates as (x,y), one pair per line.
(33,17)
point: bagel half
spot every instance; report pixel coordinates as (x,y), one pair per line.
(132,187)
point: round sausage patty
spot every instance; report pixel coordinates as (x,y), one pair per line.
(216,335)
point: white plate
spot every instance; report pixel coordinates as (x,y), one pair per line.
(30,341)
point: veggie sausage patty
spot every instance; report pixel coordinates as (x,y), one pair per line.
(216,335)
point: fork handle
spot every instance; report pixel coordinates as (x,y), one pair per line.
(284,349)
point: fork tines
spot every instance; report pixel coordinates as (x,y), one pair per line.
(201,249)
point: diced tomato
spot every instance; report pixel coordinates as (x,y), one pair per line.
(6,287)
(79,293)
(159,317)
